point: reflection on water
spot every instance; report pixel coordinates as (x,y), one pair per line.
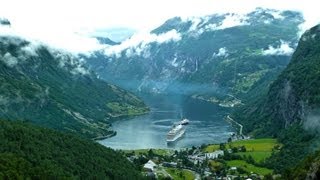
(149,131)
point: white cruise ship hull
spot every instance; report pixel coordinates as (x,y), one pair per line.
(176,137)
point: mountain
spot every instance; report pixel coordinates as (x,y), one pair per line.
(105,40)
(290,108)
(53,89)
(228,52)
(4,22)
(293,98)
(30,152)
(116,34)
(307,169)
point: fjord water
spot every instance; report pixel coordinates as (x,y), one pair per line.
(149,131)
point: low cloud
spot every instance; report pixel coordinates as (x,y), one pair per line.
(283,49)
(276,14)
(9,60)
(223,52)
(233,20)
(62,39)
(24,51)
(200,25)
(312,121)
(138,43)
(70,62)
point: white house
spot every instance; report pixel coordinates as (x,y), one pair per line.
(214,154)
(150,165)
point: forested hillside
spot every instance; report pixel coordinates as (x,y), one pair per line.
(53,89)
(289,111)
(30,152)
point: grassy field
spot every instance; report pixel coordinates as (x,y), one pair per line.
(249,167)
(211,148)
(259,149)
(255,144)
(257,156)
(180,174)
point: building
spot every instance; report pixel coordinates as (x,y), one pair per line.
(214,154)
(149,166)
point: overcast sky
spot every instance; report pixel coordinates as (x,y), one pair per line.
(69,22)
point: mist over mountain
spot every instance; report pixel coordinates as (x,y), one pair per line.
(235,53)
(54,89)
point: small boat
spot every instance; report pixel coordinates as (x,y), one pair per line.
(184,121)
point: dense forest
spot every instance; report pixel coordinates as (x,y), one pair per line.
(27,151)
(288,110)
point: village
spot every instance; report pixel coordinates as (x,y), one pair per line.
(240,159)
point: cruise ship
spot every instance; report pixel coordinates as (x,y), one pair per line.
(175,133)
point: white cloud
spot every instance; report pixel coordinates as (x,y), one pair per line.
(138,43)
(230,20)
(9,60)
(276,14)
(283,49)
(70,24)
(223,52)
(62,39)
(195,22)
(233,20)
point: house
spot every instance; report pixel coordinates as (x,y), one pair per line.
(149,166)
(214,154)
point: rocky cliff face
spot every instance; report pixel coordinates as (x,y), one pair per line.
(294,97)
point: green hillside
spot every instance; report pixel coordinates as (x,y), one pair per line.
(293,96)
(289,109)
(30,152)
(52,88)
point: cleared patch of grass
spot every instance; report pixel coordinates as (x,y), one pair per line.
(211,148)
(249,167)
(259,156)
(256,144)
(259,149)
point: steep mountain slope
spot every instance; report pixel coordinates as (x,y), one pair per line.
(307,169)
(53,89)
(289,111)
(104,40)
(30,152)
(295,96)
(232,52)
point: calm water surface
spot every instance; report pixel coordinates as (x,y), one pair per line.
(149,131)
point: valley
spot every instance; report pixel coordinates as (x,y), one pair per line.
(100,91)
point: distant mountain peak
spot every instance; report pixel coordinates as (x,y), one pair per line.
(107,41)
(4,22)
